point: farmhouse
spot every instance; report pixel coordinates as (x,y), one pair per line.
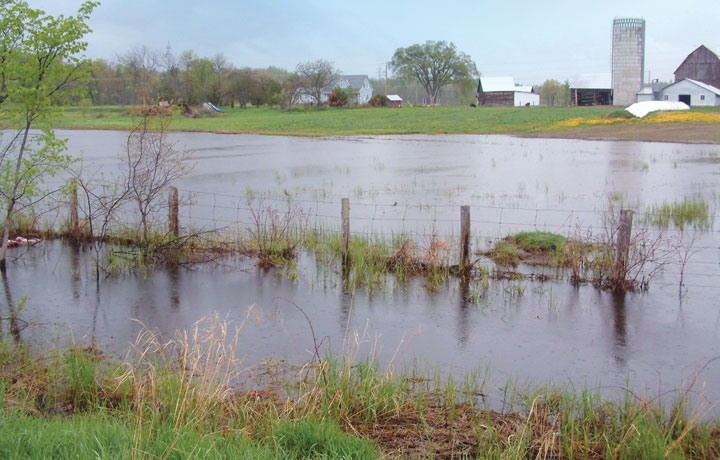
(701,65)
(692,92)
(359,87)
(503,91)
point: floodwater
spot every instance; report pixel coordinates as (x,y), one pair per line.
(523,331)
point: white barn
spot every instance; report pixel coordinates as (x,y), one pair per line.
(691,92)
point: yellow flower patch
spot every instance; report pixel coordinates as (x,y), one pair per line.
(682,116)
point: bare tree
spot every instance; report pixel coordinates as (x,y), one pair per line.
(100,202)
(153,162)
(315,76)
(142,64)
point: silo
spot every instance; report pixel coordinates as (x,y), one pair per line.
(628,59)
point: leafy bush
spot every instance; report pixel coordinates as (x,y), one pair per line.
(338,98)
(379,100)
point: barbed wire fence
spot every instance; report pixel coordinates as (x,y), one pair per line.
(208,211)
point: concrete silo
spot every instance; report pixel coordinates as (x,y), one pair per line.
(628,59)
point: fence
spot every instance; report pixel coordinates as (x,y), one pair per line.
(460,224)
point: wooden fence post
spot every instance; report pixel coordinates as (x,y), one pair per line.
(345,227)
(74,219)
(622,245)
(173,215)
(464,236)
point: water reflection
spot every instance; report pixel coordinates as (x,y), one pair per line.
(619,328)
(16,324)
(462,332)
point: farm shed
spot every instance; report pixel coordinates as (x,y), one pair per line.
(692,92)
(701,65)
(393,100)
(652,92)
(591,89)
(499,91)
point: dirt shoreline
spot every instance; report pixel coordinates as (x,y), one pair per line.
(678,133)
(681,133)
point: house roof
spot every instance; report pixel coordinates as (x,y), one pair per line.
(591,81)
(394,98)
(645,90)
(493,84)
(356,81)
(702,85)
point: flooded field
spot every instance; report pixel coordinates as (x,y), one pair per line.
(518,329)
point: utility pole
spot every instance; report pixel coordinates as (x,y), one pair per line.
(386,80)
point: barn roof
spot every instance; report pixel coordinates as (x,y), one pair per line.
(591,81)
(698,50)
(493,84)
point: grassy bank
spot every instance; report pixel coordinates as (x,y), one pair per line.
(193,398)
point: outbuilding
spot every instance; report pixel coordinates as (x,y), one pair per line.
(499,91)
(692,92)
(591,89)
(393,100)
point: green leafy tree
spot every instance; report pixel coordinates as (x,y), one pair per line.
(434,65)
(40,67)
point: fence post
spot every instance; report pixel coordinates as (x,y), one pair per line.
(345,227)
(74,219)
(173,217)
(622,245)
(464,236)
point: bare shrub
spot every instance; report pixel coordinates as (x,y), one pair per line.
(275,234)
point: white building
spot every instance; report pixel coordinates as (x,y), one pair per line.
(359,87)
(504,91)
(691,92)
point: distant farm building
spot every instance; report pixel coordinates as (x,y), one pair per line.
(502,91)
(393,100)
(359,87)
(701,65)
(591,89)
(692,92)
(652,92)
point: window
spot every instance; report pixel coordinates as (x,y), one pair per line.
(667,97)
(702,97)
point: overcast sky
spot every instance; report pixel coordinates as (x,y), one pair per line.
(531,41)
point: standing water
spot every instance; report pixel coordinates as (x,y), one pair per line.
(521,330)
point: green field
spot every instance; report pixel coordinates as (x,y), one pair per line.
(352,121)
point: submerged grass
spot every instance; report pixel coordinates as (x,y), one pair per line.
(688,212)
(191,397)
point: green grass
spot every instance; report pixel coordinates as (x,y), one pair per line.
(694,212)
(186,399)
(538,241)
(351,121)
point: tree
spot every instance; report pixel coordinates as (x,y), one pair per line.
(434,65)
(40,68)
(142,63)
(551,92)
(554,93)
(315,76)
(152,162)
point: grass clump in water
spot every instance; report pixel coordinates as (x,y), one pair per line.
(538,248)
(680,214)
